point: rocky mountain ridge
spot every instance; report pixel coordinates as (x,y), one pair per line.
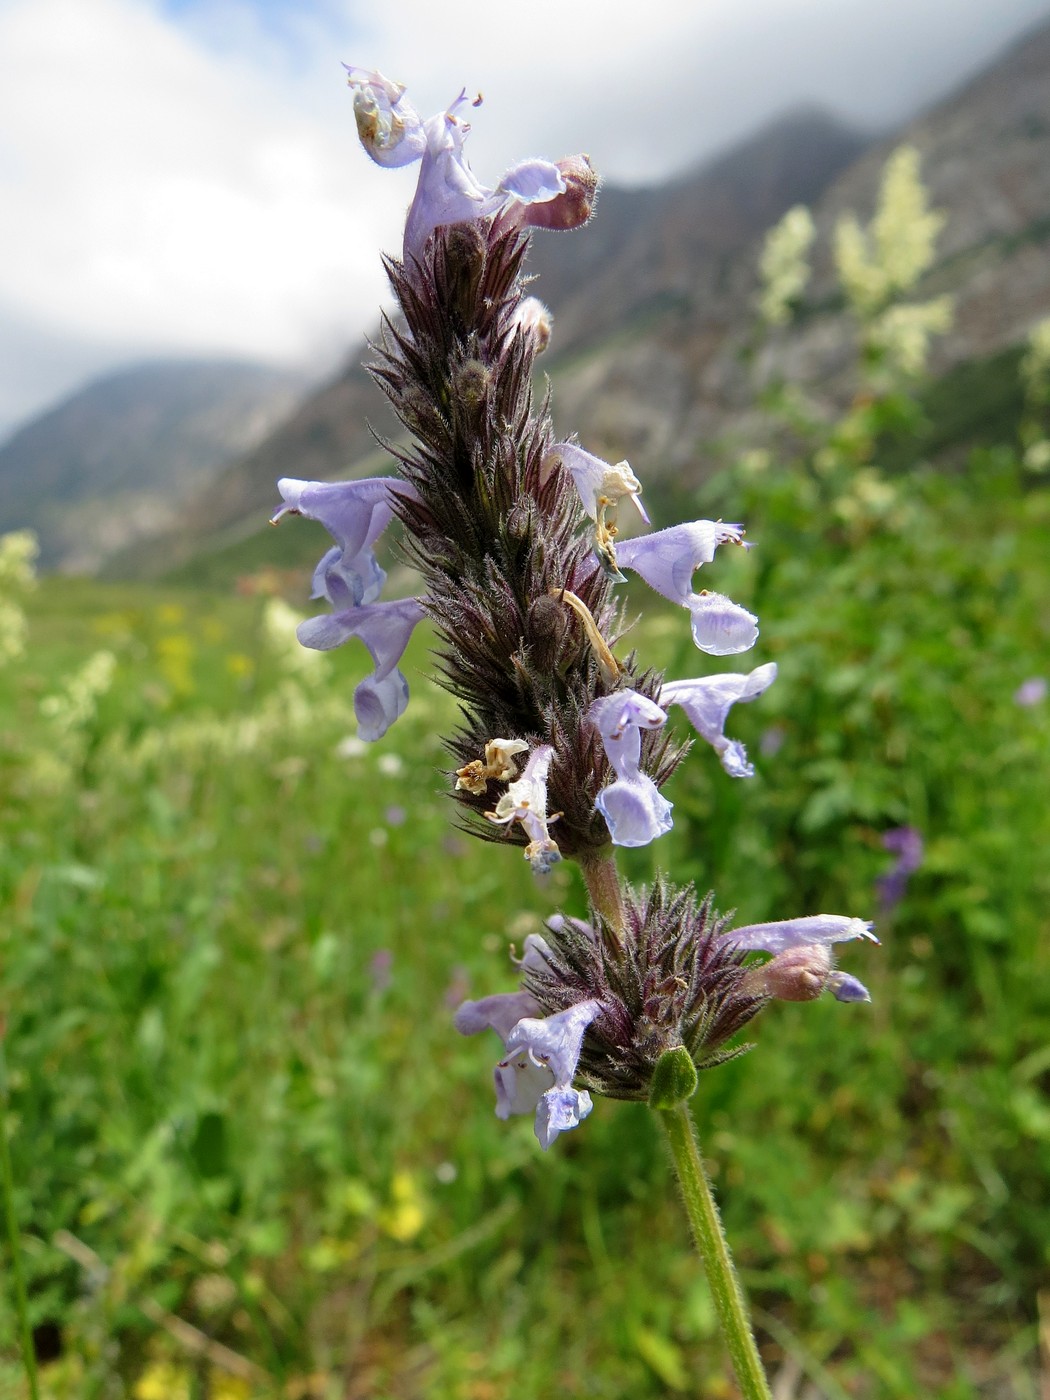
(119,459)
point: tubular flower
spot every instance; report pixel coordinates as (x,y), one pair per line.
(525,801)
(448,192)
(632,806)
(536,1073)
(802,967)
(667,561)
(385,629)
(707,702)
(355,514)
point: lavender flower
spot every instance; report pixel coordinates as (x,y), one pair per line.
(667,560)
(801,967)
(708,700)
(536,1073)
(906,843)
(1031,692)
(355,514)
(785,934)
(448,191)
(632,806)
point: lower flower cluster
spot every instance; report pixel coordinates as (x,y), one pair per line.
(597,1011)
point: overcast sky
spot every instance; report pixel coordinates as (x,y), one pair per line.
(182,177)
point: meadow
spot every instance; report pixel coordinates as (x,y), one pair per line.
(251,1156)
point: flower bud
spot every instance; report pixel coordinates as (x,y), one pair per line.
(471,382)
(549,625)
(674,1078)
(533,319)
(574,206)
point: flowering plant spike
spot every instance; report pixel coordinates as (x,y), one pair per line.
(564,746)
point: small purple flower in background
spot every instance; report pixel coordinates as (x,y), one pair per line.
(1031,692)
(707,702)
(906,843)
(633,808)
(772,740)
(379,969)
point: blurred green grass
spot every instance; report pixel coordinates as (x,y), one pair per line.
(231,944)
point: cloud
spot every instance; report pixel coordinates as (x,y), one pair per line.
(161,194)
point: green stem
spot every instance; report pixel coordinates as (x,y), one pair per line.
(603,886)
(13,1238)
(714,1251)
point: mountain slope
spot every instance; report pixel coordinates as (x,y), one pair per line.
(638,260)
(121,456)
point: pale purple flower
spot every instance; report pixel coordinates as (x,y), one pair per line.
(355,513)
(448,192)
(667,559)
(525,801)
(906,843)
(536,1073)
(707,702)
(385,629)
(814,929)
(633,808)
(1031,692)
(600,485)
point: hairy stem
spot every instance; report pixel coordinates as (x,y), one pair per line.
(603,885)
(714,1251)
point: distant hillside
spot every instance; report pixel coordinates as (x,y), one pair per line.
(654,301)
(118,459)
(641,255)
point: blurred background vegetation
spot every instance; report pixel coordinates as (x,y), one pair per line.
(250,1156)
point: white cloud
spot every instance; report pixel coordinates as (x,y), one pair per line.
(157,194)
